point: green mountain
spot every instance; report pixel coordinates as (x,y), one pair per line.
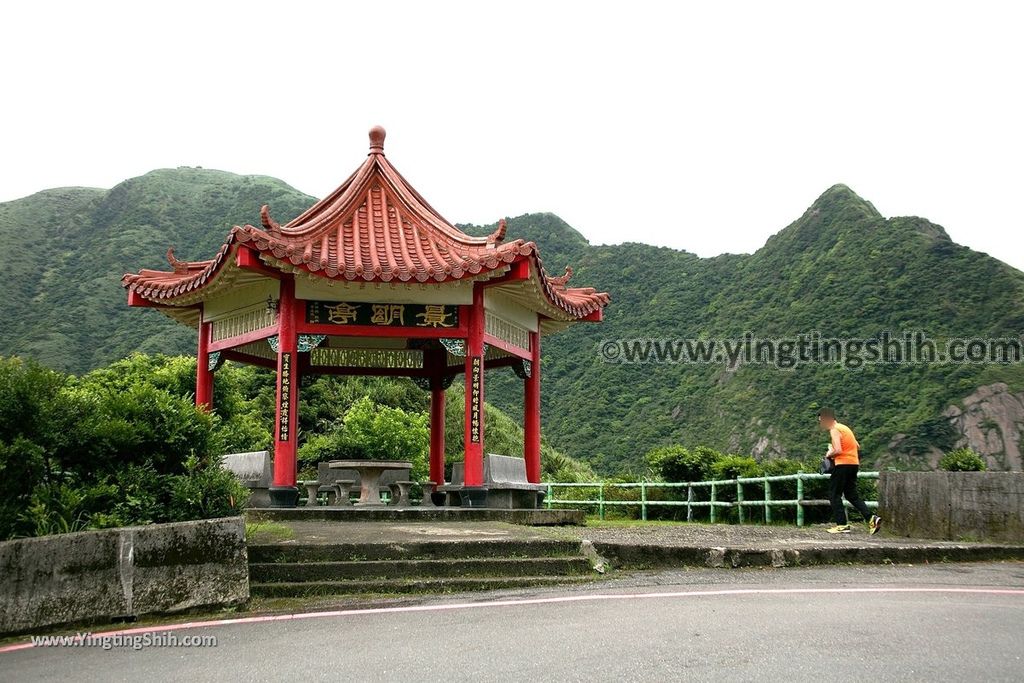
(841,270)
(67,250)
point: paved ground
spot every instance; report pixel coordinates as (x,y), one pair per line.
(670,535)
(747,536)
(940,622)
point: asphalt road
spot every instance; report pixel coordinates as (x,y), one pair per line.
(943,622)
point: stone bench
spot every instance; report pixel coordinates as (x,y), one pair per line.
(312,491)
(400,493)
(505,486)
(342,487)
(255,471)
(429,488)
(338,493)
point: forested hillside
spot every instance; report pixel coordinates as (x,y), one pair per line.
(841,269)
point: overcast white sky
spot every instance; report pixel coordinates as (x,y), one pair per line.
(704,126)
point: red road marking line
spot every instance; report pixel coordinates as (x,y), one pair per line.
(444,607)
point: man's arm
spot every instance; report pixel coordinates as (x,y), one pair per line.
(836,445)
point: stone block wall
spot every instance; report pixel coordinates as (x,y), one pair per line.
(978,506)
(121,572)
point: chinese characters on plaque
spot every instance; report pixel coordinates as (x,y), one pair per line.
(382,315)
(474,410)
(286,396)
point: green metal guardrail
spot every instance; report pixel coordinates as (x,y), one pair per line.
(691,502)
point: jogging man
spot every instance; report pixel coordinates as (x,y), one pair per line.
(845,453)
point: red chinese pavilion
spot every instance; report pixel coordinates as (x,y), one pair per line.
(372,280)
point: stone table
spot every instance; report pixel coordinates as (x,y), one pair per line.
(369,476)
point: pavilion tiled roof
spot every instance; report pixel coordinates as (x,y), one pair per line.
(373,228)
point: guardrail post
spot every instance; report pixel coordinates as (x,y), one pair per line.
(600,501)
(767,501)
(643,501)
(714,508)
(739,500)
(799,498)
(689,502)
(550,495)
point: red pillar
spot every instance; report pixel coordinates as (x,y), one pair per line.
(437,435)
(204,378)
(283,492)
(435,362)
(531,413)
(474,435)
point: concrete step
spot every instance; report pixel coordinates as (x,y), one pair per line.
(294,572)
(406,585)
(542,517)
(418,550)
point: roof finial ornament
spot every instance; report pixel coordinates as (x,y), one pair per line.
(498,235)
(179,266)
(377,135)
(269,223)
(562,280)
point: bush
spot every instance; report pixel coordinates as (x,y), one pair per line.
(204,492)
(22,468)
(57,509)
(120,446)
(145,424)
(139,497)
(680,464)
(962,460)
(782,466)
(373,432)
(735,467)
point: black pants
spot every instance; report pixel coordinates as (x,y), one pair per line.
(844,483)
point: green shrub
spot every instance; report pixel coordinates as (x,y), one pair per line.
(962,460)
(205,491)
(58,509)
(323,447)
(108,449)
(373,432)
(140,497)
(782,466)
(22,468)
(145,424)
(735,466)
(681,464)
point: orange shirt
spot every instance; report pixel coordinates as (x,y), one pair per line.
(848,447)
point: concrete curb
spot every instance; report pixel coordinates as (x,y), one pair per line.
(644,556)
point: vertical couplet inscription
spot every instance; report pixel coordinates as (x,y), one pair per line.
(285,378)
(474,411)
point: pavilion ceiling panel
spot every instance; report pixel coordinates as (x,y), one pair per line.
(241,298)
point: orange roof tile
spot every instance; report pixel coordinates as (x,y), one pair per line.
(374,228)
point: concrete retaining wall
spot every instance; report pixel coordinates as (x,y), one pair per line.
(121,572)
(953,505)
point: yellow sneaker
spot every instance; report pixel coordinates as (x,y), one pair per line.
(839,529)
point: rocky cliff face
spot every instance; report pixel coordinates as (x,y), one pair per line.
(991,421)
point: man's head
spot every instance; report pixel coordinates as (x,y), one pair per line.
(826,418)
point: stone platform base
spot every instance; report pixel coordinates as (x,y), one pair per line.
(421,514)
